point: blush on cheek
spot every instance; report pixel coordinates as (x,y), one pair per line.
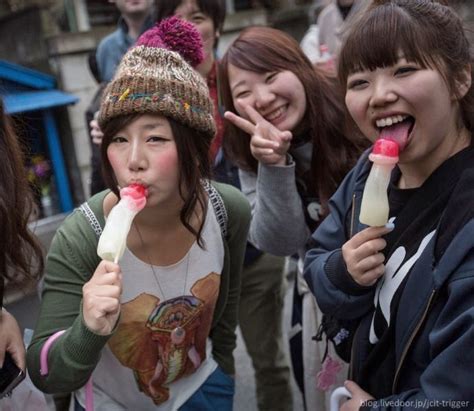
(114,162)
(167,162)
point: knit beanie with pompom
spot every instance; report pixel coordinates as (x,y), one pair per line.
(156,77)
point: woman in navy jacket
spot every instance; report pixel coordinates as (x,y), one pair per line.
(409,285)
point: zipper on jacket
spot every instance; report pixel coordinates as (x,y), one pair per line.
(352,361)
(410,341)
(351,230)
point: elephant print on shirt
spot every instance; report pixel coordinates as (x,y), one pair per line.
(146,340)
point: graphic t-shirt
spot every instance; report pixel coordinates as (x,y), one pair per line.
(160,352)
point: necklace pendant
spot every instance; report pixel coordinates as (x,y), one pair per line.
(177,335)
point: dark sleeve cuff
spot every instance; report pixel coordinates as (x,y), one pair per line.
(337,273)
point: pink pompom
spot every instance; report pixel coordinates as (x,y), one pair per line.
(151,38)
(176,35)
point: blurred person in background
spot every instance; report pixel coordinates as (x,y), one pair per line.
(310,41)
(323,39)
(135,18)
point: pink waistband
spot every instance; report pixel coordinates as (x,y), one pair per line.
(45,349)
(44,368)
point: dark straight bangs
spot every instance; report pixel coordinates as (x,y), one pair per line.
(383,32)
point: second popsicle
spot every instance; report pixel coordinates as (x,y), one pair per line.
(374,208)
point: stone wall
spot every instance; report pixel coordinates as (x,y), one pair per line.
(27,47)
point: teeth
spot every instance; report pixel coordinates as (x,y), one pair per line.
(389,121)
(274,114)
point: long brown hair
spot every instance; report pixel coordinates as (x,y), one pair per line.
(21,257)
(425,31)
(264,49)
(193,161)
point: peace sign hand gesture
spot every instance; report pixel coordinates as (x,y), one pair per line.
(267,144)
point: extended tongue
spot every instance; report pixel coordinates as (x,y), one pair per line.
(398,132)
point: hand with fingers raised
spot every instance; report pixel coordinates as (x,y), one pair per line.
(363,257)
(267,144)
(101,298)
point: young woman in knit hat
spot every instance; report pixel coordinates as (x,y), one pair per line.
(157,331)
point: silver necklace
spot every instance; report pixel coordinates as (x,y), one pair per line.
(178,334)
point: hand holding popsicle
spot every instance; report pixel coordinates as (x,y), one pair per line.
(113,240)
(363,255)
(101,298)
(101,294)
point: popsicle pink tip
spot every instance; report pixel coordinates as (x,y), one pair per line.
(135,190)
(135,196)
(386,147)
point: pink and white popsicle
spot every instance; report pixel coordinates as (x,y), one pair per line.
(113,239)
(374,208)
